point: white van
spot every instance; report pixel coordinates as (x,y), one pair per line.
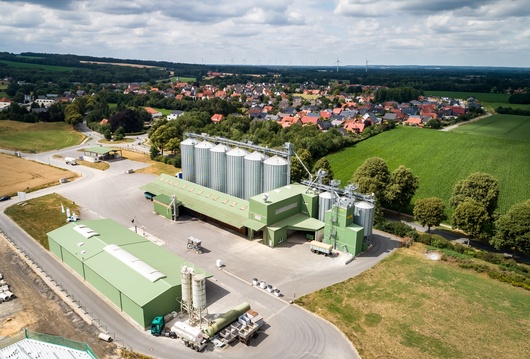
(70,161)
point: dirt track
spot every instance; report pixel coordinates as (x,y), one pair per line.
(37,308)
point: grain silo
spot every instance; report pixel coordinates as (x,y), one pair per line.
(202,163)
(325,201)
(218,167)
(235,172)
(364,216)
(199,291)
(185,274)
(187,152)
(253,174)
(274,173)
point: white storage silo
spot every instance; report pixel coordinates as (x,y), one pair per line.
(199,291)
(253,174)
(325,201)
(274,173)
(187,157)
(235,172)
(185,278)
(218,167)
(364,216)
(202,163)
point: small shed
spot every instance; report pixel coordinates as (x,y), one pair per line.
(100,153)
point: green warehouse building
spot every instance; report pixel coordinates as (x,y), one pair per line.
(272,215)
(141,278)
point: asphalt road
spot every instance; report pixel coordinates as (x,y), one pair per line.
(290,331)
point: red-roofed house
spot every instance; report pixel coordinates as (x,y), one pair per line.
(414,121)
(287,121)
(325,114)
(217,118)
(154,113)
(104,121)
(457,111)
(308,120)
(353,126)
(4,102)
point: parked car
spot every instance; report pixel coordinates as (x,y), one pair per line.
(4,198)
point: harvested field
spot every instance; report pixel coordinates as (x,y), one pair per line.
(18,174)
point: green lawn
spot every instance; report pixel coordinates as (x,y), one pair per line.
(502,126)
(183,79)
(37,137)
(440,159)
(411,307)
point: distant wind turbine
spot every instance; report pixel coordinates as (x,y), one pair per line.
(337,62)
(366,64)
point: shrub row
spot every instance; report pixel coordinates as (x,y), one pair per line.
(512,278)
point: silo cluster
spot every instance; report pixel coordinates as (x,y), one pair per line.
(364,216)
(231,170)
(193,289)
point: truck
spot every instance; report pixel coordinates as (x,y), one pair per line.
(192,337)
(321,248)
(70,161)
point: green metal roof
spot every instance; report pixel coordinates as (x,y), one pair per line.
(280,194)
(299,222)
(99,150)
(254,225)
(129,281)
(214,204)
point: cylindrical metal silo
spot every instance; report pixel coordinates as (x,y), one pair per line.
(254,174)
(218,167)
(187,152)
(235,172)
(199,291)
(274,173)
(325,201)
(202,163)
(364,216)
(185,278)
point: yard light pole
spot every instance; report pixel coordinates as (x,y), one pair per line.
(135,226)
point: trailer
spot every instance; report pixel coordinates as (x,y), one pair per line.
(192,337)
(245,328)
(321,248)
(195,244)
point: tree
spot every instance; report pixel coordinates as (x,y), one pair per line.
(402,187)
(162,136)
(481,187)
(298,173)
(323,164)
(429,212)
(513,229)
(471,217)
(373,177)
(72,114)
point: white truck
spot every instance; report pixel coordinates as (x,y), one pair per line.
(192,337)
(70,161)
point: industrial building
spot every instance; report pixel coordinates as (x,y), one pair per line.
(344,222)
(141,278)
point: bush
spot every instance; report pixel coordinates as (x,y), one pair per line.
(397,228)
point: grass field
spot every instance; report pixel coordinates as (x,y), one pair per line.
(440,159)
(37,66)
(18,174)
(411,307)
(156,168)
(41,215)
(37,137)
(502,126)
(183,79)
(489,100)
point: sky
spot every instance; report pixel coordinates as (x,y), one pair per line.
(275,32)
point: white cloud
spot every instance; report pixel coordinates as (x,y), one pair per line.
(439,32)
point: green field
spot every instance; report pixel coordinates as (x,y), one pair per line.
(164,111)
(489,100)
(408,306)
(36,66)
(501,126)
(440,159)
(37,137)
(184,79)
